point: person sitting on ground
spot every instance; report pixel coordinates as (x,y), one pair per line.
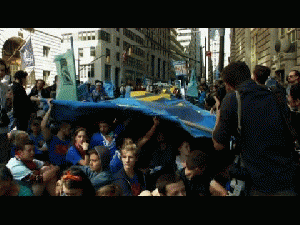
(58,144)
(77,153)
(196,176)
(11,187)
(109,191)
(74,182)
(184,149)
(17,138)
(170,185)
(41,150)
(129,179)
(98,170)
(35,173)
(106,137)
(116,162)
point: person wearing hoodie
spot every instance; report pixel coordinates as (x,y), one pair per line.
(265,144)
(98,170)
(129,178)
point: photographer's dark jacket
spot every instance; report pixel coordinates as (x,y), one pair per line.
(266,146)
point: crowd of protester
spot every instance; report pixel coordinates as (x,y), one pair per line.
(42,158)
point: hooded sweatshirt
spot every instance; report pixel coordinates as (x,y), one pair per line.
(100,179)
(265,143)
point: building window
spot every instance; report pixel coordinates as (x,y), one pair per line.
(103,35)
(118,41)
(80,52)
(118,56)
(291,34)
(46,75)
(107,52)
(91,70)
(92,51)
(152,65)
(158,67)
(46,51)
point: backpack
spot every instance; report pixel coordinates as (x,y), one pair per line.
(237,170)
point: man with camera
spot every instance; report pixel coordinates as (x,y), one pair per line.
(265,145)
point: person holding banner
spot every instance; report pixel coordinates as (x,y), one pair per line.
(22,105)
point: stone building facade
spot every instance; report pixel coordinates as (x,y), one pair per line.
(277,48)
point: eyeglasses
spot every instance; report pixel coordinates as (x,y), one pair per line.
(291,76)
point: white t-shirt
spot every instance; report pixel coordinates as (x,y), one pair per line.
(18,168)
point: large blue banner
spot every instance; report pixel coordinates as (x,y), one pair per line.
(178,114)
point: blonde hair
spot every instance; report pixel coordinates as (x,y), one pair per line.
(130,148)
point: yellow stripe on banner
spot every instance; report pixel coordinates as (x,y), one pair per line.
(154,98)
(137,93)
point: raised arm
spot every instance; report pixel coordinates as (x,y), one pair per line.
(142,141)
(45,130)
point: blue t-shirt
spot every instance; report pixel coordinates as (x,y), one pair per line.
(73,156)
(116,163)
(37,140)
(58,150)
(98,140)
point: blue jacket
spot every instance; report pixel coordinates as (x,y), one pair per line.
(123,181)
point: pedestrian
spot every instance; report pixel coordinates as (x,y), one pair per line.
(294,102)
(170,184)
(58,144)
(11,187)
(129,179)
(105,137)
(52,89)
(77,153)
(36,94)
(202,96)
(197,177)
(116,162)
(293,78)
(35,134)
(122,90)
(98,170)
(5,97)
(37,174)
(261,74)
(183,151)
(109,191)
(99,93)
(265,147)
(22,105)
(128,89)
(74,182)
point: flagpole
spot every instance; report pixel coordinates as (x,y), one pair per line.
(72,48)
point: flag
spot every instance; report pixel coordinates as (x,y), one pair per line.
(192,89)
(67,89)
(27,54)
